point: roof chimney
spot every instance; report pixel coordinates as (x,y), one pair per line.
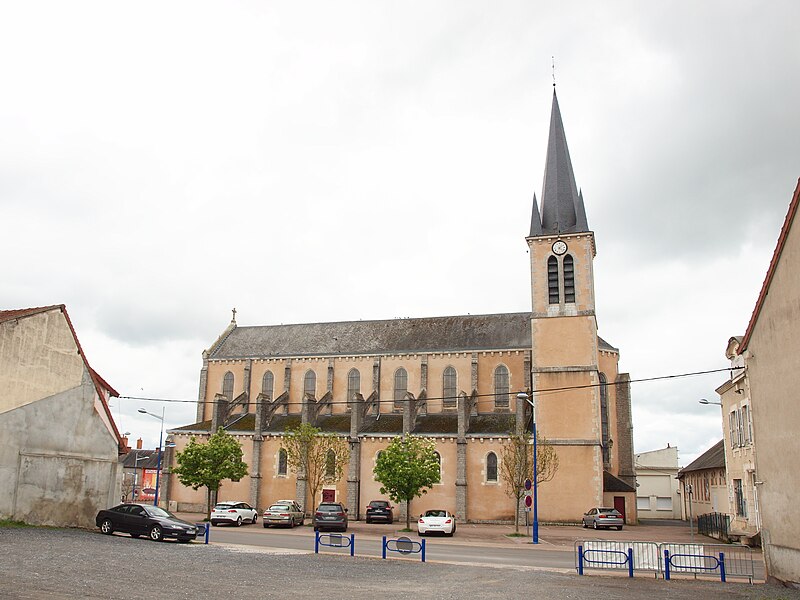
(139,444)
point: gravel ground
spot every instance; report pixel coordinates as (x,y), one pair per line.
(70,563)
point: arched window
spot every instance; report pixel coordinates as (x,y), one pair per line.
(604,418)
(353,386)
(227,386)
(439,462)
(449,385)
(330,464)
(268,385)
(282,462)
(491,467)
(310,384)
(400,387)
(501,387)
(552,280)
(569,279)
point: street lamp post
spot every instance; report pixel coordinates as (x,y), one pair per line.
(526,397)
(160,439)
(136,473)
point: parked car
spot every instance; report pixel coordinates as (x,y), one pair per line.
(602,517)
(137,520)
(380,510)
(233,513)
(330,515)
(284,512)
(437,520)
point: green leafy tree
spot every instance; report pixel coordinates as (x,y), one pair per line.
(517,466)
(321,457)
(208,464)
(406,468)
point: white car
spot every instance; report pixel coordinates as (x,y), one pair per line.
(233,513)
(437,520)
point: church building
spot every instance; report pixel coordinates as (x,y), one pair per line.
(451,379)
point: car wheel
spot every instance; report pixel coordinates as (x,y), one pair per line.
(585,526)
(368,521)
(134,535)
(107,527)
(214,523)
(156,534)
(391,521)
(255,518)
(302,521)
(239,522)
(265,525)
(594,525)
(316,528)
(619,527)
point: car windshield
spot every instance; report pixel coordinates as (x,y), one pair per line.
(157,511)
(329,508)
(435,513)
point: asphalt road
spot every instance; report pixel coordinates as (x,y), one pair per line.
(60,564)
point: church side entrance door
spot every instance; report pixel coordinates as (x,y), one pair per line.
(619,504)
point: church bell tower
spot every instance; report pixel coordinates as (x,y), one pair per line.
(564,344)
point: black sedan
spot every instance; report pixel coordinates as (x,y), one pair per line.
(139,519)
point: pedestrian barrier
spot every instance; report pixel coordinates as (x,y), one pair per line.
(723,560)
(617,555)
(403,545)
(334,540)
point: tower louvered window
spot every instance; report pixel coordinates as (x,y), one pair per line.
(552,280)
(449,385)
(569,279)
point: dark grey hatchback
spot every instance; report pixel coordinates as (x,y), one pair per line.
(141,519)
(330,515)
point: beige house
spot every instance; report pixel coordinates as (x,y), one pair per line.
(657,484)
(60,448)
(740,449)
(769,350)
(452,379)
(702,486)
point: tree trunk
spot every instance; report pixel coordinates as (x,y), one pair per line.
(208,504)
(408,514)
(516,516)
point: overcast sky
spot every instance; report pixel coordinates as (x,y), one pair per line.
(164,162)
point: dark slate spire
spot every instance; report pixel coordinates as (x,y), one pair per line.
(562,205)
(536,219)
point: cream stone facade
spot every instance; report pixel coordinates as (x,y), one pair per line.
(60,447)
(769,381)
(452,379)
(657,484)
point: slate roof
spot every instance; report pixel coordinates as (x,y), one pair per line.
(713,458)
(562,209)
(129,460)
(465,333)
(612,483)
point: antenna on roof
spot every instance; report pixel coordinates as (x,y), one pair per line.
(553,58)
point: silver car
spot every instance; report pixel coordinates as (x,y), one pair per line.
(602,517)
(284,512)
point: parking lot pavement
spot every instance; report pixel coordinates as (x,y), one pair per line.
(553,537)
(61,564)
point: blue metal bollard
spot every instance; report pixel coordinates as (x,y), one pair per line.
(423,550)
(383,551)
(316,542)
(352,544)
(580,560)
(666,565)
(208,529)
(722,566)
(630,562)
